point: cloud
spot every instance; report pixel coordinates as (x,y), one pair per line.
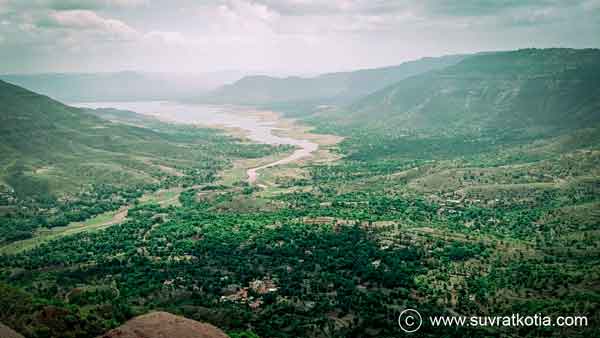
(82,21)
(89,4)
(335,7)
(424,9)
(16,7)
(238,20)
(4,6)
(169,38)
(307,20)
(290,34)
(465,8)
(537,16)
(240,12)
(591,5)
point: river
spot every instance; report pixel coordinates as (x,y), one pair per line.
(256,127)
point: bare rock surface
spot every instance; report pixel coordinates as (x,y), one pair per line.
(7,332)
(164,325)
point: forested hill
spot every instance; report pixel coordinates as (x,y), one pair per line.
(34,125)
(326,88)
(530,88)
(61,164)
(37,130)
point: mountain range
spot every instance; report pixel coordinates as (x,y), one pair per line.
(330,88)
(121,86)
(529,88)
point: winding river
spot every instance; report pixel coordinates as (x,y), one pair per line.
(256,128)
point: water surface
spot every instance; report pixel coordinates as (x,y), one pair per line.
(223,116)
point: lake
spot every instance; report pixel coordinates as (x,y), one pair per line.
(257,129)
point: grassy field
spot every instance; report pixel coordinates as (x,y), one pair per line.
(42,236)
(163,197)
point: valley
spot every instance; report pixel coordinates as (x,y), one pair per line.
(458,190)
(256,126)
(242,122)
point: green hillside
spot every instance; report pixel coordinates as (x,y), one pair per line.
(61,164)
(489,100)
(531,88)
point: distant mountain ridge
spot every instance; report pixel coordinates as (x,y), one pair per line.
(341,87)
(121,86)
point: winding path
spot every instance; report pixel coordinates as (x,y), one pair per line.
(256,126)
(257,129)
(306,149)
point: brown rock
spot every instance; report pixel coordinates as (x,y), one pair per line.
(164,325)
(7,332)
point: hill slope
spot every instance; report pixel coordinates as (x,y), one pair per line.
(532,88)
(326,88)
(45,139)
(45,143)
(60,164)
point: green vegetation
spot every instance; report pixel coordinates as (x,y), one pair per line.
(470,218)
(529,89)
(61,164)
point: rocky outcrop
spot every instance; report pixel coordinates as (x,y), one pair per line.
(7,332)
(164,325)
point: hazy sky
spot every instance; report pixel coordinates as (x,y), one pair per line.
(284,36)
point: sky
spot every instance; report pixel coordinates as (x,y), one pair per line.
(276,36)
